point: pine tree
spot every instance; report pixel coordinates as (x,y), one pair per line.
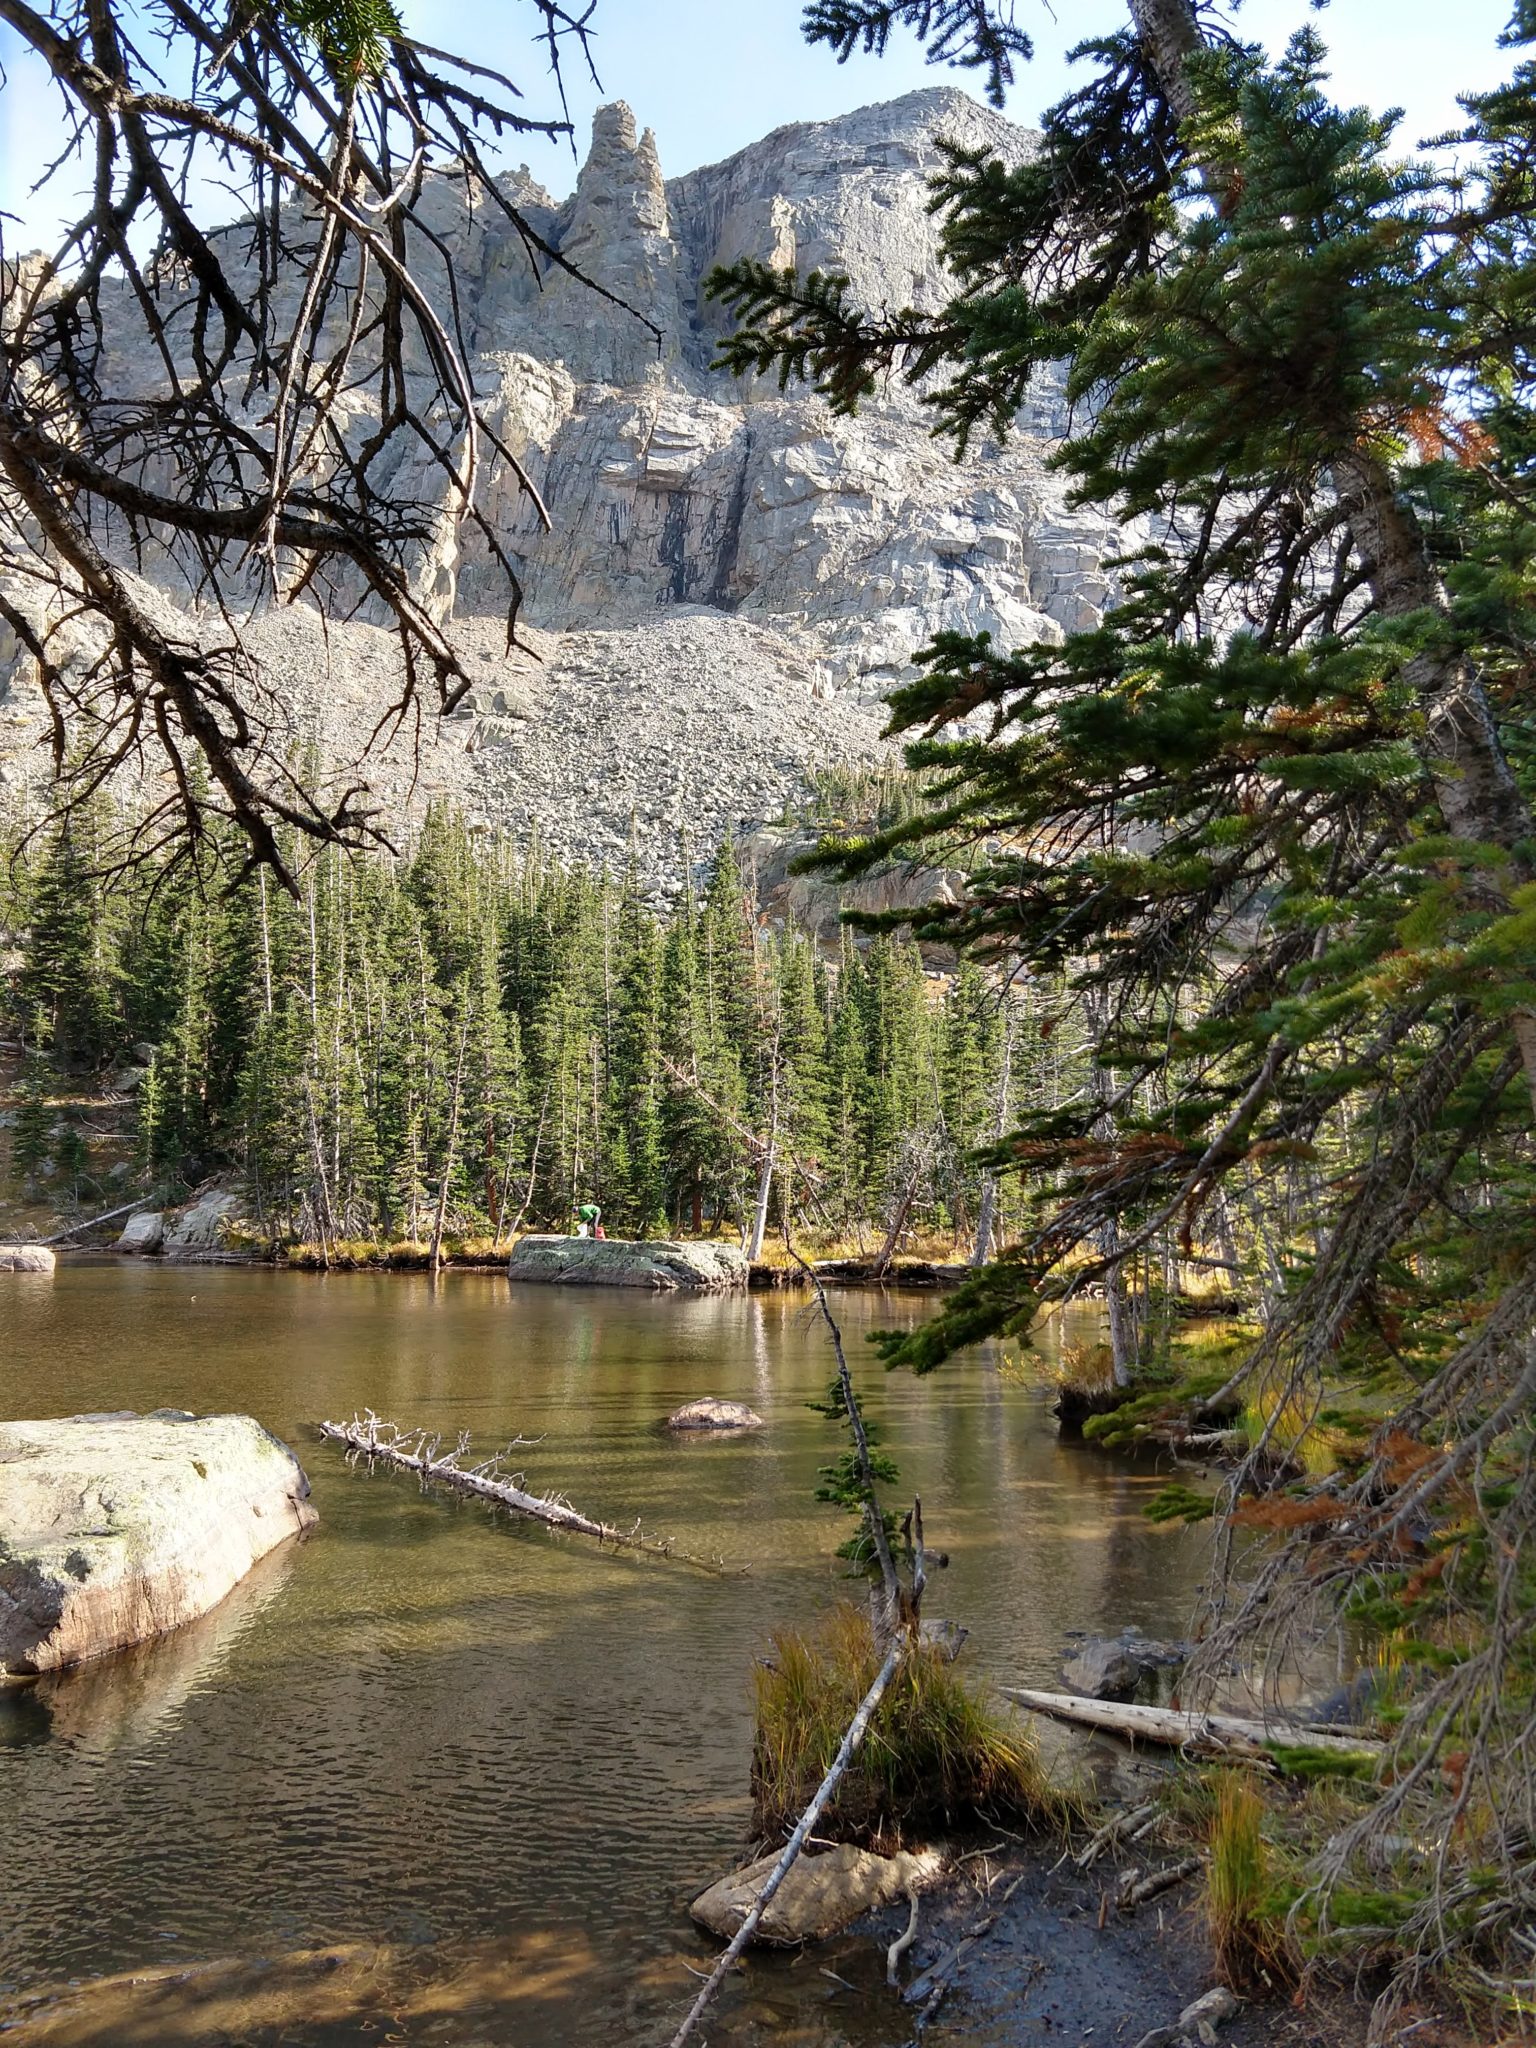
(1269,825)
(70,976)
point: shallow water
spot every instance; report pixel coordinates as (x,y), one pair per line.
(487,1766)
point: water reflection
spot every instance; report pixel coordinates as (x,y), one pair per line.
(482,1763)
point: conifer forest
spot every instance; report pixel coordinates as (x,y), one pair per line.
(466,1042)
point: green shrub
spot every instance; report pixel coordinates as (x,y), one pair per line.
(937,1753)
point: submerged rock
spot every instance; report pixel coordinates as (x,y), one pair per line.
(618,1262)
(1107,1668)
(115,1528)
(948,1636)
(711,1413)
(25,1258)
(820,1895)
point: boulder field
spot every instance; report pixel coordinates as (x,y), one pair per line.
(115,1528)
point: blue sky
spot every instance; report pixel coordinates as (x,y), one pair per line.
(710,78)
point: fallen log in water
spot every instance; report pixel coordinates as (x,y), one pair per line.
(418,1451)
(1182,1730)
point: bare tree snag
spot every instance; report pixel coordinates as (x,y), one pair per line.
(418,1451)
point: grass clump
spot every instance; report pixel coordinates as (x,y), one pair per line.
(937,1754)
(1247,1933)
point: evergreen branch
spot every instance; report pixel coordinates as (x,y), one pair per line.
(973,34)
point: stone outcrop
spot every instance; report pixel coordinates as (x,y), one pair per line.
(199,1229)
(733,578)
(714,1416)
(26,1258)
(144,1232)
(617,1262)
(1115,1668)
(115,1528)
(821,1894)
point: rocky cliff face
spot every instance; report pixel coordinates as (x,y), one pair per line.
(733,578)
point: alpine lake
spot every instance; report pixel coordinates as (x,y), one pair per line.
(434,1775)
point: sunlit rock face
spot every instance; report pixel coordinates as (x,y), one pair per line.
(732,579)
(117,1527)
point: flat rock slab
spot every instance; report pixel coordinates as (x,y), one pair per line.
(710,1415)
(25,1258)
(115,1528)
(617,1262)
(821,1894)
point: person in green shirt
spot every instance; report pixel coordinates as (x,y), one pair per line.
(589,1220)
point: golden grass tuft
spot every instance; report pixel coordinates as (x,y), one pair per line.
(938,1752)
(1252,1951)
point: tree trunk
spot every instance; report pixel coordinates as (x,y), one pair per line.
(1123,1347)
(765,1171)
(760,1207)
(435,1260)
(987,1218)
(1169,34)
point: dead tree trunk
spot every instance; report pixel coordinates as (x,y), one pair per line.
(416,1451)
(857,1729)
(986,1221)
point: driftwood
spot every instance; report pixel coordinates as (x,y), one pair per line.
(90,1222)
(1182,1730)
(903,1941)
(858,1727)
(417,1451)
(1136,1891)
(1122,1826)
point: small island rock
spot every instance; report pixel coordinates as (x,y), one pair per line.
(821,1894)
(115,1528)
(618,1262)
(25,1258)
(711,1413)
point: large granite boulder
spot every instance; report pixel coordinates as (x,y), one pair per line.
(199,1229)
(25,1258)
(821,1894)
(618,1262)
(115,1528)
(144,1232)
